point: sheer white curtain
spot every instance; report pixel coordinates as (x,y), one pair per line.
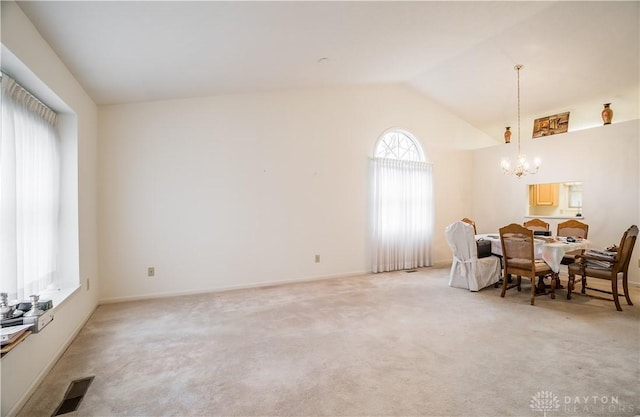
(29,193)
(402,214)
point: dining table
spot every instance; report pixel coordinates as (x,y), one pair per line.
(549,249)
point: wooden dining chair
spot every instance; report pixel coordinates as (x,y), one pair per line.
(602,267)
(536,225)
(472,223)
(519,260)
(573,228)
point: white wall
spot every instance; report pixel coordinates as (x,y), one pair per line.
(25,366)
(604,158)
(241,190)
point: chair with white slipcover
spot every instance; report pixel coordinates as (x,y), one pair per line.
(472,223)
(467,270)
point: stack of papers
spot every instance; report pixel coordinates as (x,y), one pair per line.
(602,254)
(10,334)
(603,260)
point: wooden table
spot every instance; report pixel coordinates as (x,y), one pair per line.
(551,252)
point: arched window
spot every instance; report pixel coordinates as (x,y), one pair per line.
(402,203)
(397,144)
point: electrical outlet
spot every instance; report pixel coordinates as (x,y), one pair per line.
(317,259)
(151,271)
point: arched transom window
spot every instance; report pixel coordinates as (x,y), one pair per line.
(397,144)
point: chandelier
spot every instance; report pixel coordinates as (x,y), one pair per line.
(521,166)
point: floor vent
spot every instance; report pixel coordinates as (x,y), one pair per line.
(411,270)
(74,395)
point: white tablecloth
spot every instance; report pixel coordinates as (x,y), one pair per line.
(551,253)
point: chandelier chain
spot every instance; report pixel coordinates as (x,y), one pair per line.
(518,67)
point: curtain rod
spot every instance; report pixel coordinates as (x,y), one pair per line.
(3,74)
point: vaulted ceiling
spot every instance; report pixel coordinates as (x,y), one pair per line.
(459,54)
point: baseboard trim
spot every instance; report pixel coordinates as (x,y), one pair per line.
(442,264)
(227,288)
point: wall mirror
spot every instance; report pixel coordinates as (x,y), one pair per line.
(558,199)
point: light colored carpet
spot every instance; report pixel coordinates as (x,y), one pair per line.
(388,344)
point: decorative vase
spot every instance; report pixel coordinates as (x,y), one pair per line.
(507,135)
(607,114)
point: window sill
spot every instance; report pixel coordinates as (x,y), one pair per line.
(58,297)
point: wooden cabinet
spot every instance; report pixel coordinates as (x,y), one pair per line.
(544,195)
